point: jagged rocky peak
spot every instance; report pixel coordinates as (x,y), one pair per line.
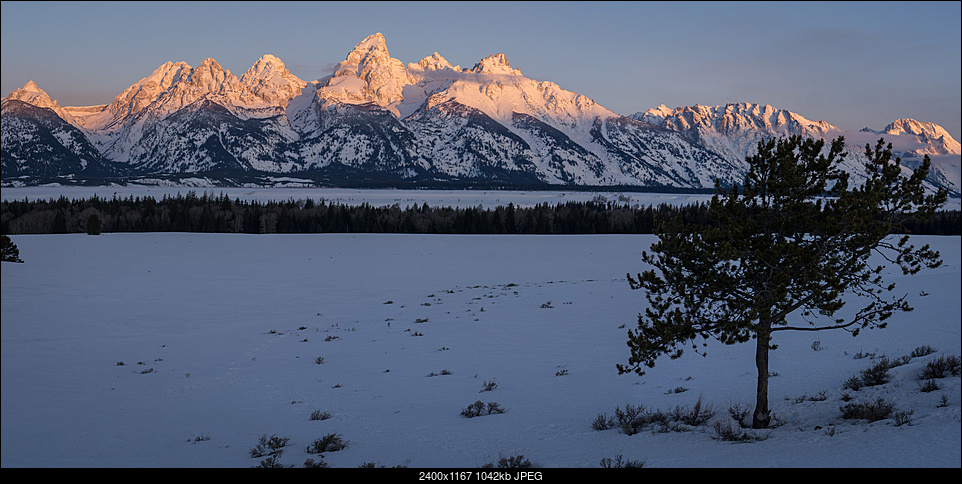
(495,64)
(145,91)
(382,77)
(29,88)
(31,93)
(267,63)
(940,141)
(165,76)
(918,128)
(269,80)
(731,118)
(367,55)
(909,125)
(210,78)
(654,115)
(175,85)
(433,62)
(748,115)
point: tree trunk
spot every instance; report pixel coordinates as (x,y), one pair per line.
(762,416)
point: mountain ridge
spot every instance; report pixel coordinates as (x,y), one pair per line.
(734,130)
(427,121)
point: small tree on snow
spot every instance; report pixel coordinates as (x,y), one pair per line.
(8,250)
(780,255)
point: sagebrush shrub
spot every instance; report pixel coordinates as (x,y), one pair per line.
(603,422)
(696,415)
(921,351)
(632,419)
(269,445)
(854,383)
(725,431)
(929,386)
(738,413)
(489,385)
(903,418)
(941,367)
(372,465)
(271,462)
(872,412)
(510,462)
(312,464)
(619,462)
(327,443)
(877,374)
(319,415)
(480,408)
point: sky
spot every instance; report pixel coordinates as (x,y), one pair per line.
(852,64)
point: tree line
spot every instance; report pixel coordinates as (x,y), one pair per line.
(221,214)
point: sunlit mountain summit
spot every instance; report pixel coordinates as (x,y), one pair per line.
(375,121)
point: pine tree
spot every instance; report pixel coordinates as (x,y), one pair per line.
(781,253)
(8,250)
(59,223)
(93,224)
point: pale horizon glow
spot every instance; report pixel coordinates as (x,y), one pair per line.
(851,64)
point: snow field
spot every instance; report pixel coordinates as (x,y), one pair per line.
(219,337)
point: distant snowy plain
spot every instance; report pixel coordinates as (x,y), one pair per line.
(349,196)
(181,350)
(488,199)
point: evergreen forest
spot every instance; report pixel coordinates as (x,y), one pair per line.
(221,214)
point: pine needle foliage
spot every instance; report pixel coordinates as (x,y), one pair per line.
(783,252)
(8,250)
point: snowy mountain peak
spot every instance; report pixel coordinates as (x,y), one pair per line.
(175,85)
(269,80)
(908,125)
(31,93)
(369,54)
(211,77)
(433,62)
(373,42)
(734,129)
(142,93)
(265,63)
(733,120)
(165,75)
(940,141)
(378,117)
(495,64)
(368,74)
(654,115)
(31,86)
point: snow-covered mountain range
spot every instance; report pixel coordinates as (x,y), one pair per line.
(734,130)
(376,120)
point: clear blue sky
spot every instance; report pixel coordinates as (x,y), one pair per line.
(851,64)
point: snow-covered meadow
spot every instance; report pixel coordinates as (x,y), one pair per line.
(182,350)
